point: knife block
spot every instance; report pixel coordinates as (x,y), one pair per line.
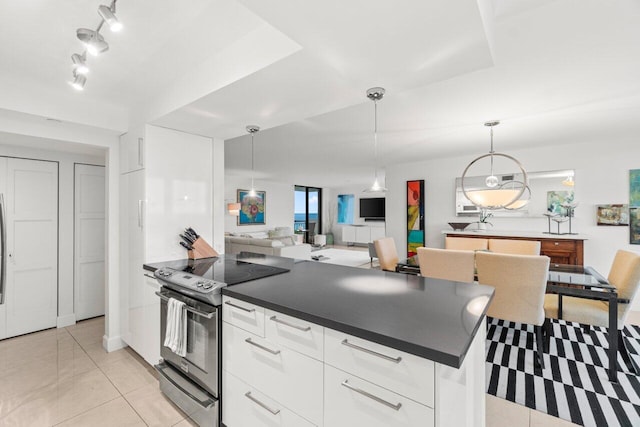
(201,249)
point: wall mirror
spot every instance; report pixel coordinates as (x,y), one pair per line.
(554,187)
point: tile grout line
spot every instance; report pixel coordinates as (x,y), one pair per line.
(110,381)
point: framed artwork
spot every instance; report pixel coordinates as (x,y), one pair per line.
(252,209)
(415,216)
(634,226)
(612,214)
(346,208)
(555,200)
(634,187)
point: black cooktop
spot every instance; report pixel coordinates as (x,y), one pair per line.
(229,269)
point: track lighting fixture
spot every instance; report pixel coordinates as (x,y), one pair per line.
(78,82)
(80,64)
(108,15)
(94,43)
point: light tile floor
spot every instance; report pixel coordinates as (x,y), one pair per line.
(64,377)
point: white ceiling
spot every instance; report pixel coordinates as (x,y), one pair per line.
(551,71)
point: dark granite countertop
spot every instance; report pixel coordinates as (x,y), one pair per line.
(434,319)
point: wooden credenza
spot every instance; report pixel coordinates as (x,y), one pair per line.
(562,249)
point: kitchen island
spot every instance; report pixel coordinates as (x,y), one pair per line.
(332,345)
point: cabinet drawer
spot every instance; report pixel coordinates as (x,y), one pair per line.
(403,373)
(247,316)
(288,377)
(351,401)
(297,334)
(557,245)
(244,406)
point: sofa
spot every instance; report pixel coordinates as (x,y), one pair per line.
(279,242)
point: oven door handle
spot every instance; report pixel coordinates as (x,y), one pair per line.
(206,404)
(206,314)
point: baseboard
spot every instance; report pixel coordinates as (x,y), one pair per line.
(113,343)
(66,320)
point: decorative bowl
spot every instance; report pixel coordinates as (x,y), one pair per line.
(459,226)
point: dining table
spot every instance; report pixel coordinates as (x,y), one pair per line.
(568,280)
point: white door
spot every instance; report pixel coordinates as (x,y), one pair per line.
(89,241)
(30,189)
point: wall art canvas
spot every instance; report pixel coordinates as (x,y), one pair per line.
(555,200)
(612,215)
(634,187)
(346,208)
(415,216)
(252,209)
(634,226)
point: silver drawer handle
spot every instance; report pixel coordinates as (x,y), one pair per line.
(257,402)
(248,310)
(149,276)
(260,346)
(397,406)
(291,325)
(375,353)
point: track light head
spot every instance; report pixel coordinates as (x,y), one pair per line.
(79,64)
(93,40)
(109,17)
(78,81)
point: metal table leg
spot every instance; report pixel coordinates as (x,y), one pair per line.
(613,337)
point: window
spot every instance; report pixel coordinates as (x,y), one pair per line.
(307,213)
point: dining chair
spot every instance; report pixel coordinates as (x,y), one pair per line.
(447,264)
(625,276)
(515,247)
(466,243)
(520,282)
(387,253)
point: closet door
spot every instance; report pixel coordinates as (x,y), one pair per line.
(89,241)
(31,206)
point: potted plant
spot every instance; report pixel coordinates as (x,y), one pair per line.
(484,220)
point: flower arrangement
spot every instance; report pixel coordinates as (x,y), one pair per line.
(484,219)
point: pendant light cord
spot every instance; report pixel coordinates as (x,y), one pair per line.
(492,150)
(375,138)
(252,169)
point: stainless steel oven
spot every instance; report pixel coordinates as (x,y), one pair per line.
(192,381)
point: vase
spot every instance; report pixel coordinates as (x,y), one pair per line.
(482,226)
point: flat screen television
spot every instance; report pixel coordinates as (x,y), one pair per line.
(372,208)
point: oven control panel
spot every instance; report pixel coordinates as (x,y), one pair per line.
(187,280)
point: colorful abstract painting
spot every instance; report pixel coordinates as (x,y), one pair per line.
(415,216)
(555,200)
(634,187)
(612,214)
(252,208)
(634,226)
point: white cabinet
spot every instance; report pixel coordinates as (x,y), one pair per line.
(243,405)
(348,233)
(361,233)
(151,321)
(286,376)
(131,153)
(166,184)
(244,315)
(352,401)
(300,373)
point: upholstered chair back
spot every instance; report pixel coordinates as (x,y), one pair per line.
(520,282)
(387,253)
(515,247)
(466,243)
(447,264)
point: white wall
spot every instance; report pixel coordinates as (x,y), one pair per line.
(278,205)
(66,163)
(602,176)
(358,194)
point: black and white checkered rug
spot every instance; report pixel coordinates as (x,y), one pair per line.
(574,384)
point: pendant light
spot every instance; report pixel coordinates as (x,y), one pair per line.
(493,194)
(252,129)
(375,94)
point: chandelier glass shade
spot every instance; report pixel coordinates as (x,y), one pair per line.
(494,194)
